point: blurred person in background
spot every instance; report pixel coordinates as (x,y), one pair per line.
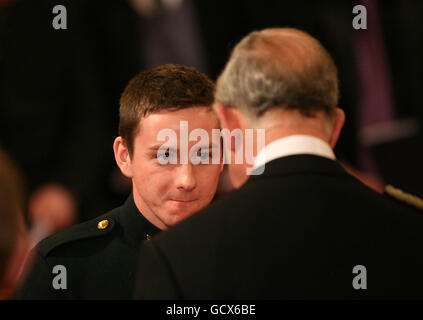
(17,239)
(13,237)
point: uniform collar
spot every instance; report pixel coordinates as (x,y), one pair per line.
(300,164)
(135,226)
(293,145)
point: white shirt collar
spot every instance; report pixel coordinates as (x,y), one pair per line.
(292,145)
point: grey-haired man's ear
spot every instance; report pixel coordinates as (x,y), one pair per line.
(338,123)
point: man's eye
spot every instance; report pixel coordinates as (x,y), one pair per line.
(204,155)
(165,155)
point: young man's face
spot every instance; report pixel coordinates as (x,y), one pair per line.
(168,193)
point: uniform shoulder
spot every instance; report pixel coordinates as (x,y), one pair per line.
(97,227)
(404,197)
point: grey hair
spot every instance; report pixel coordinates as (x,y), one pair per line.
(280,67)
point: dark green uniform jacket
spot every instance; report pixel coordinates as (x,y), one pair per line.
(99,256)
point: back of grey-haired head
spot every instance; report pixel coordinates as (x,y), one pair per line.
(279,67)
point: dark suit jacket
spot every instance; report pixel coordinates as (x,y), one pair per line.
(100,263)
(296,231)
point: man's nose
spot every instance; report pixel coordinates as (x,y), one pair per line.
(186,177)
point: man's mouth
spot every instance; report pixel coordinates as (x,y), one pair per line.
(183,200)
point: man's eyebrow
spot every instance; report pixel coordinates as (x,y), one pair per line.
(210,146)
(156,147)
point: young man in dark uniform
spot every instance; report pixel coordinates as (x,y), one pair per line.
(97,259)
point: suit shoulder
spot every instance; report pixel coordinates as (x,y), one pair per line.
(97,227)
(404,197)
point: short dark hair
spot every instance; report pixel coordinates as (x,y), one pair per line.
(279,67)
(167,87)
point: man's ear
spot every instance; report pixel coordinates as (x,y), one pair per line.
(122,156)
(231,119)
(338,123)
